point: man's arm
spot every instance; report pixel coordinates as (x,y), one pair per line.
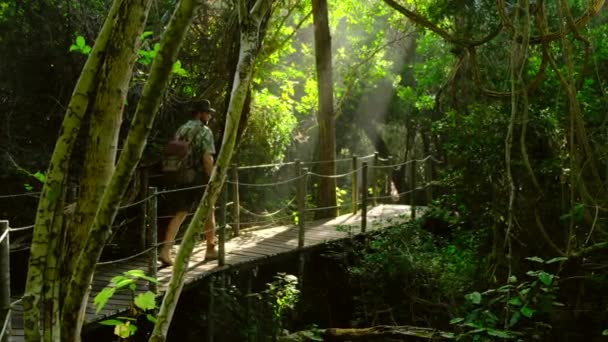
(208,163)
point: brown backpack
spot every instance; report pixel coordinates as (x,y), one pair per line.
(179,162)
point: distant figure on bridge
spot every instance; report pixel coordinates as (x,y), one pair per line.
(202,148)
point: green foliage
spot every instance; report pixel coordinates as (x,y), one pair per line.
(270,129)
(516,309)
(407,262)
(141,306)
(80,46)
(259,316)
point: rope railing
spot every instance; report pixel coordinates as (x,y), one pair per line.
(405,192)
(7,320)
(168,191)
(266,184)
(326,208)
(405,163)
(18,229)
(25,194)
(248,212)
(285,217)
(130,205)
(349,173)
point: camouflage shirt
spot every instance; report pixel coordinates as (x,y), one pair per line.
(200,137)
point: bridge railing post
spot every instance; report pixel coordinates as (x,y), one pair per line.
(413,189)
(363,197)
(5,282)
(388,177)
(152,234)
(210,310)
(374,178)
(236,205)
(221,260)
(301,200)
(355,186)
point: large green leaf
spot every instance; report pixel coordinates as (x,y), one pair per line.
(545,278)
(111,322)
(80,42)
(515,301)
(102,298)
(501,333)
(527,311)
(536,259)
(146,300)
(474,297)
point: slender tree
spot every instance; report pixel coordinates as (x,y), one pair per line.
(250,22)
(325,113)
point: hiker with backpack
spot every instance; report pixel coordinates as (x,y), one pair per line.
(188,163)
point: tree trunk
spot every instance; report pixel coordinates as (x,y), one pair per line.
(48,223)
(325,115)
(250,26)
(142,124)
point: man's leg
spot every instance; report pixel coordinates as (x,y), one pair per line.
(172,228)
(211,252)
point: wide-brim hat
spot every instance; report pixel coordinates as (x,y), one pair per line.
(205,107)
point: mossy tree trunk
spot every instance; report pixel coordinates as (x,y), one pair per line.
(250,24)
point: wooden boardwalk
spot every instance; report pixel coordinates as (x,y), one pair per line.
(250,248)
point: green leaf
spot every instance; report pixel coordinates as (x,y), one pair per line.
(74,48)
(86,50)
(500,333)
(102,298)
(533,273)
(125,330)
(515,301)
(151,318)
(527,311)
(146,34)
(558,259)
(28,187)
(474,297)
(80,42)
(605,332)
(514,318)
(118,279)
(456,320)
(536,259)
(40,176)
(512,279)
(142,275)
(545,278)
(145,301)
(125,282)
(112,322)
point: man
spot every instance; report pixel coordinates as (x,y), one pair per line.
(181,202)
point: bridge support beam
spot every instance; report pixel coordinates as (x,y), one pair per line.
(363,197)
(5,283)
